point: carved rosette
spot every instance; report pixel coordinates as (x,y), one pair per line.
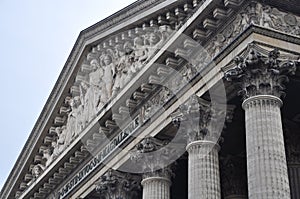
(259,75)
(118,185)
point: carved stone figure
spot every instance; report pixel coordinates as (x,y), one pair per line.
(96,91)
(257,14)
(233,172)
(109,72)
(95,81)
(72,119)
(265,19)
(37,170)
(47,156)
(55,147)
(140,52)
(78,111)
(154,41)
(64,138)
(124,67)
(87,96)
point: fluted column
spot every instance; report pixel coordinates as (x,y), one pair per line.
(156,185)
(202,148)
(203,170)
(266,160)
(152,156)
(262,80)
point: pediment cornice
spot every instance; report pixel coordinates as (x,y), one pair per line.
(82,47)
(117,18)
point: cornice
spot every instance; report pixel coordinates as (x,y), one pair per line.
(115,19)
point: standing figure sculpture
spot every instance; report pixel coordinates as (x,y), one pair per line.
(95,81)
(72,118)
(124,67)
(109,72)
(87,96)
(140,53)
(154,43)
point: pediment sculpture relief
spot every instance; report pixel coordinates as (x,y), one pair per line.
(258,14)
(104,72)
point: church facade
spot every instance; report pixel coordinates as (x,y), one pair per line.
(172,99)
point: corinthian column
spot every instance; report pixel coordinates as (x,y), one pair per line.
(117,185)
(262,79)
(156,185)
(157,175)
(203,171)
(203,148)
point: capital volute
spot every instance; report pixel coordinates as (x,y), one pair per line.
(115,184)
(151,154)
(261,75)
(201,119)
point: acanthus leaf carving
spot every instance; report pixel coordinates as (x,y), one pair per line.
(261,75)
(115,184)
(152,154)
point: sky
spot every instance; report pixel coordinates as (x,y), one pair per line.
(36,37)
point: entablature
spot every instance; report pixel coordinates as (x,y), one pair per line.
(143,94)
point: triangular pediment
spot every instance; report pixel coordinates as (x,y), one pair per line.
(115,69)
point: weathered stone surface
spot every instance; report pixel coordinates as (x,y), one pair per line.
(116,185)
(262,81)
(157,176)
(266,160)
(203,170)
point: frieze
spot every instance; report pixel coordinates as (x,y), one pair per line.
(254,14)
(81,108)
(106,69)
(103,74)
(99,158)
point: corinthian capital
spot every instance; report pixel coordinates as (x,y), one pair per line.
(118,185)
(201,119)
(154,157)
(261,75)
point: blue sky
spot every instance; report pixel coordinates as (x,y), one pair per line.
(36,37)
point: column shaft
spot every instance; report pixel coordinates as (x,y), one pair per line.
(203,170)
(266,159)
(156,188)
